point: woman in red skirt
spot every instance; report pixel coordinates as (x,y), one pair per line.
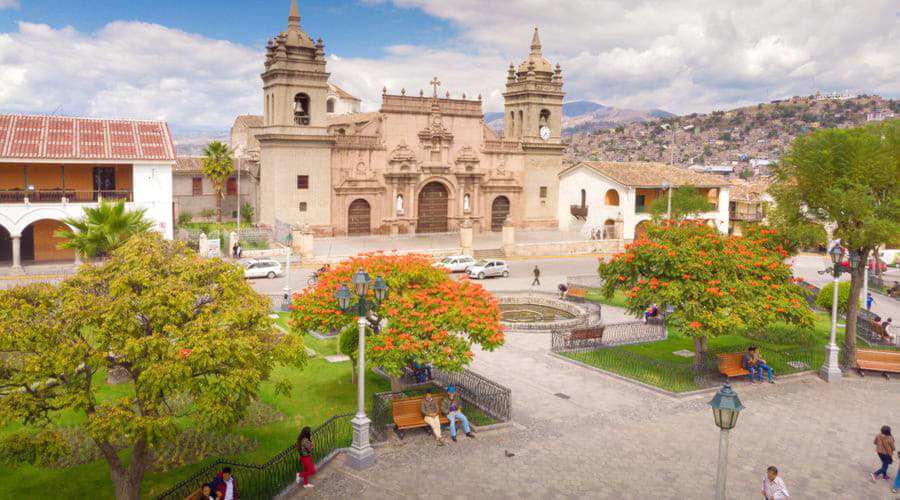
(305,447)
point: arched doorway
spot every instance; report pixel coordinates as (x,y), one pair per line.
(40,244)
(5,245)
(609,229)
(499,212)
(640,230)
(359,217)
(434,203)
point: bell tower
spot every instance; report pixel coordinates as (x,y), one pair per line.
(294,145)
(533,116)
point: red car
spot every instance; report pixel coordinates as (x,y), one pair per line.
(845,266)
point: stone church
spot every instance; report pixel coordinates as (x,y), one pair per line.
(422,163)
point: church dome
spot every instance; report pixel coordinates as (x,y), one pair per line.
(541,65)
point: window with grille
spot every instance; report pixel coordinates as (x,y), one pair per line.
(543,191)
(302,182)
(197,186)
(231,187)
(303,206)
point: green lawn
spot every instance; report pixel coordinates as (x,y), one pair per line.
(617,300)
(322,347)
(654,363)
(320,390)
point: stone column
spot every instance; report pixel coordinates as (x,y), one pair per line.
(305,242)
(620,227)
(232,240)
(395,228)
(203,246)
(465,237)
(509,237)
(16,253)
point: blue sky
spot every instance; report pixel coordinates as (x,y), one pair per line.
(350,28)
(196,63)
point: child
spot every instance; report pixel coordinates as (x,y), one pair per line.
(305,448)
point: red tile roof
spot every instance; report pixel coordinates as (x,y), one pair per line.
(69,138)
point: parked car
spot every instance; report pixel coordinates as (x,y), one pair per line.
(872,265)
(891,256)
(262,268)
(488,268)
(456,263)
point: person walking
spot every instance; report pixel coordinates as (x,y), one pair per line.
(896,487)
(224,486)
(884,446)
(869,301)
(773,487)
(305,447)
(537,276)
(234,251)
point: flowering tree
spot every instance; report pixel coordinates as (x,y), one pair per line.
(427,317)
(715,283)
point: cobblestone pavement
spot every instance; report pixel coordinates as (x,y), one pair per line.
(612,439)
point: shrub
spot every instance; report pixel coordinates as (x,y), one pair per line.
(185,218)
(825,299)
(208,213)
(247,212)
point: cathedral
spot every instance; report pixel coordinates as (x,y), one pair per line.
(422,163)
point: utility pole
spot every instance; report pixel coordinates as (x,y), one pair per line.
(239,199)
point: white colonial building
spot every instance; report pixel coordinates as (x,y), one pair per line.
(614,198)
(51,167)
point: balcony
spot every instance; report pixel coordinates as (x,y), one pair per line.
(748,216)
(579,211)
(16,196)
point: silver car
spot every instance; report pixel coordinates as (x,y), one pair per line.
(488,268)
(456,263)
(263,268)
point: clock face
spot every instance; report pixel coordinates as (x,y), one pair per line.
(545,132)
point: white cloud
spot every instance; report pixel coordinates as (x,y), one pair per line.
(129,70)
(9,4)
(680,56)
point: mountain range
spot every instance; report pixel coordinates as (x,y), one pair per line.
(585,116)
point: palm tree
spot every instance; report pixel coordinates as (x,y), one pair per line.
(218,166)
(102,229)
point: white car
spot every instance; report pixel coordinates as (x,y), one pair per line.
(456,263)
(263,268)
(487,268)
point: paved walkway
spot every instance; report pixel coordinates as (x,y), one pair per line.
(612,439)
(325,247)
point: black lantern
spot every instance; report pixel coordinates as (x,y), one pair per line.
(836,253)
(361,283)
(344,296)
(854,259)
(380,288)
(726,406)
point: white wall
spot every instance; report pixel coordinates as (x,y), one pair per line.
(153,192)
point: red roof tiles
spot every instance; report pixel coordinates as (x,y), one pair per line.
(67,138)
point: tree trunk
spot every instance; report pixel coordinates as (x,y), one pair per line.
(219,197)
(396,384)
(700,349)
(127,481)
(856,281)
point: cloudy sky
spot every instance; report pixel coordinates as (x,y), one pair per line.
(196,63)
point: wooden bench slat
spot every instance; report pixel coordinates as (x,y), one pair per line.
(882,361)
(730,364)
(407,412)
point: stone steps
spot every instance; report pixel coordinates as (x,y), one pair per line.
(496,253)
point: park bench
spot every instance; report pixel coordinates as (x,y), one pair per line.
(877,361)
(579,335)
(576,292)
(730,364)
(407,413)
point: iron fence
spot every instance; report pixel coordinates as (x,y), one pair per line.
(811,292)
(269,479)
(615,334)
(491,398)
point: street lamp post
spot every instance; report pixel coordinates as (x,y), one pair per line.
(668,188)
(726,406)
(831,370)
(361,454)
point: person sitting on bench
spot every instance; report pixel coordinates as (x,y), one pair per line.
(651,312)
(895,290)
(432,418)
(755,364)
(452,407)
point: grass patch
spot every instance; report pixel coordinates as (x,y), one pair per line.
(322,347)
(617,300)
(321,390)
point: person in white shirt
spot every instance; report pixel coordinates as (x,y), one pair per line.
(773,487)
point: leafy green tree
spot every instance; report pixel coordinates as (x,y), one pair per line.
(182,327)
(686,202)
(715,283)
(848,179)
(103,229)
(218,167)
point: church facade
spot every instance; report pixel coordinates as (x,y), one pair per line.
(422,163)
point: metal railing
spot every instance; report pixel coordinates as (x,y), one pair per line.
(63,195)
(269,479)
(750,216)
(615,334)
(491,398)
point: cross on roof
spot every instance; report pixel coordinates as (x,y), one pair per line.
(434,83)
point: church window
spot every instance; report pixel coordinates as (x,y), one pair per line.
(302,182)
(466,203)
(197,186)
(545,117)
(583,198)
(543,191)
(400,204)
(512,123)
(521,123)
(329,106)
(303,206)
(301,109)
(341,131)
(231,187)
(436,149)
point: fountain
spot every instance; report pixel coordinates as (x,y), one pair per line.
(544,312)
